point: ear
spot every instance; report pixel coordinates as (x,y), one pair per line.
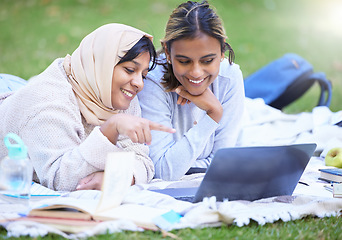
(167,53)
(222,56)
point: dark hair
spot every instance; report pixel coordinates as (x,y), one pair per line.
(143,45)
(187,21)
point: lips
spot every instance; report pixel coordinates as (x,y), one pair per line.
(197,81)
(127,93)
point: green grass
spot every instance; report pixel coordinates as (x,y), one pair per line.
(35,32)
(308,228)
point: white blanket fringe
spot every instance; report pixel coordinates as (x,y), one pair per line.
(240,213)
(34,229)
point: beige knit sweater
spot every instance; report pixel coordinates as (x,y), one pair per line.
(63,148)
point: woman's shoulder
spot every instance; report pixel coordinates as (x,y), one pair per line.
(53,77)
(228,70)
(44,97)
(49,86)
(229,80)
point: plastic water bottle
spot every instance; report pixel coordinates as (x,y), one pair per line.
(16,171)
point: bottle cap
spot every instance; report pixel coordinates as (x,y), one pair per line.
(15,150)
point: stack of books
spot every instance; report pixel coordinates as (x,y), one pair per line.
(333,176)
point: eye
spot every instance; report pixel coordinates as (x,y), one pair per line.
(181,61)
(207,61)
(129,70)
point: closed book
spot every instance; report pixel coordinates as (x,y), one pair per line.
(331,174)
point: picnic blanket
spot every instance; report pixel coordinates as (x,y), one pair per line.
(264,125)
(310,198)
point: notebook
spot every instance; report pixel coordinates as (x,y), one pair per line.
(249,173)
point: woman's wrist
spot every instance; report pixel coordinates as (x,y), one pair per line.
(109,130)
(216,114)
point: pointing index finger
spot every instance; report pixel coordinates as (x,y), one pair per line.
(160,127)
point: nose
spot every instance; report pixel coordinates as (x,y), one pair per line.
(138,82)
(196,70)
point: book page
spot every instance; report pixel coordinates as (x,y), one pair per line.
(38,190)
(84,194)
(117,179)
(65,207)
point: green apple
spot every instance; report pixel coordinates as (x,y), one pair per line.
(334,157)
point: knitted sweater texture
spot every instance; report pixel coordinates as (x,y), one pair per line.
(63,148)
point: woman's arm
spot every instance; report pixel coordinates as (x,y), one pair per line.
(196,146)
(61,151)
(230,91)
(172,157)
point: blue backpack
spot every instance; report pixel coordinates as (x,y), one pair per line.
(286,79)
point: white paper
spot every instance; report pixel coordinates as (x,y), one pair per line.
(118,178)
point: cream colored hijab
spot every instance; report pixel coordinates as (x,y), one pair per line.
(90,68)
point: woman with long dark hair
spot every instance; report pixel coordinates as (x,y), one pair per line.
(195,89)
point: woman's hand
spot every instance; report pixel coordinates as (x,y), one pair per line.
(91,182)
(207,101)
(136,128)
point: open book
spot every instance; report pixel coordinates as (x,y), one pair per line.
(117,180)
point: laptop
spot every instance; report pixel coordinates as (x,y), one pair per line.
(249,173)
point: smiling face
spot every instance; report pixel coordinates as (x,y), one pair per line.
(127,80)
(196,62)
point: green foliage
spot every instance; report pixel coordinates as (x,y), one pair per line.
(35,32)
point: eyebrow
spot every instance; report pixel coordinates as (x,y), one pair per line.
(209,55)
(138,64)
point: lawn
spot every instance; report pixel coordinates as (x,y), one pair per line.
(35,32)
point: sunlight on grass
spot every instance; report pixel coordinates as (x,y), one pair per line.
(329,17)
(35,32)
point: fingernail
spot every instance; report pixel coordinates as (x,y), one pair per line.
(177,90)
(78,187)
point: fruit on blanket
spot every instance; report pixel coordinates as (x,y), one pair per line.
(334,157)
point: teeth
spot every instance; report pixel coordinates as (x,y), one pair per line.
(127,93)
(199,81)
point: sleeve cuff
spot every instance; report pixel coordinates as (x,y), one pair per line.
(208,124)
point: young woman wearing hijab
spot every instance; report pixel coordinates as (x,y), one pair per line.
(84,106)
(195,90)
